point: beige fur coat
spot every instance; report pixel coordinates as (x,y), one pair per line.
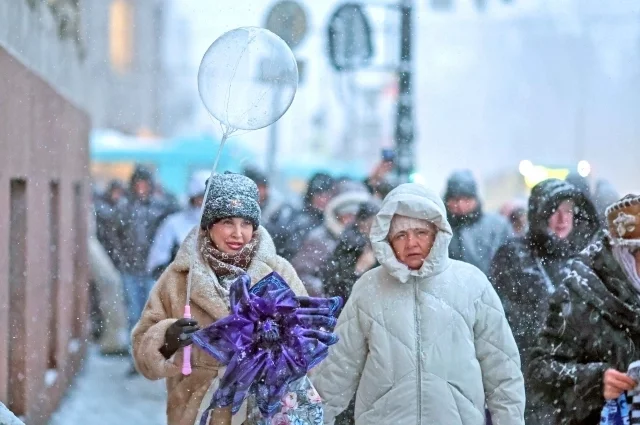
(208,304)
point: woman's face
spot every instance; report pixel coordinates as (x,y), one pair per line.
(413,246)
(230,235)
(561,221)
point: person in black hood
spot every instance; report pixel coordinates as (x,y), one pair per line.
(290,236)
(477,235)
(592,331)
(527,270)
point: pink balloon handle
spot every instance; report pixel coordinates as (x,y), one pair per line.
(186,358)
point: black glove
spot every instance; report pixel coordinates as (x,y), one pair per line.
(178,336)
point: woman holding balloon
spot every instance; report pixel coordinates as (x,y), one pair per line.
(261,334)
(229,242)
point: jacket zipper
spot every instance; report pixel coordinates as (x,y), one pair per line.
(416,317)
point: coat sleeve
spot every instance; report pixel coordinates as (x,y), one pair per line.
(338,377)
(555,372)
(148,335)
(499,361)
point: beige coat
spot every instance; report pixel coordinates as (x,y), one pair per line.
(208,304)
(425,346)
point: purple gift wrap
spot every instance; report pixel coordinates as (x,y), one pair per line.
(270,339)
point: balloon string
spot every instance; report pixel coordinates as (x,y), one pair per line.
(225,136)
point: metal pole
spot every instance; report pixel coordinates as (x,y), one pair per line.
(404,118)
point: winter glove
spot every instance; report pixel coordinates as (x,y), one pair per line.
(178,336)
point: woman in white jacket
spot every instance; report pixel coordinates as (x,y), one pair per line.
(423,338)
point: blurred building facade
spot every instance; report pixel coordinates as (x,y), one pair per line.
(135,55)
(44,195)
(542,81)
(495,82)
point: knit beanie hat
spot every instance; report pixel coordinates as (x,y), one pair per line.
(231,195)
(623,218)
(400,223)
(461,184)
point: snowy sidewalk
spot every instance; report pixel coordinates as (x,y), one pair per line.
(103,395)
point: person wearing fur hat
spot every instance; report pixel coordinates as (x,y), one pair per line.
(228,242)
(319,244)
(526,270)
(175,228)
(423,338)
(592,330)
(477,234)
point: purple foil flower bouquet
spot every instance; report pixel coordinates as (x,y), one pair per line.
(270,339)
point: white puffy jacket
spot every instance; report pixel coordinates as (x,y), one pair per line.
(430,346)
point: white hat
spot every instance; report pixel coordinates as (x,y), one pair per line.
(198,183)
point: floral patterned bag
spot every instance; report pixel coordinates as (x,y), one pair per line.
(301,405)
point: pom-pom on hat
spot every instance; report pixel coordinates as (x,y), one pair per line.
(623,218)
(231,195)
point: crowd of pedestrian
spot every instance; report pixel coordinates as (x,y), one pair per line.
(530,315)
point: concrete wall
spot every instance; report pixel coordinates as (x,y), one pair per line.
(44,196)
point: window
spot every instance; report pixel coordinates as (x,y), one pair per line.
(54,283)
(79,287)
(17,285)
(121,35)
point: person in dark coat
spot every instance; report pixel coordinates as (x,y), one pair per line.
(138,217)
(106,208)
(592,331)
(289,235)
(477,235)
(526,270)
(320,243)
(353,256)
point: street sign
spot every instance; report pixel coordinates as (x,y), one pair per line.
(350,45)
(288,20)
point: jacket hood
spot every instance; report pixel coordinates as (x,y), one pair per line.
(341,201)
(412,200)
(461,183)
(545,198)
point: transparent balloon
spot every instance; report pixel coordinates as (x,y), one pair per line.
(247,79)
